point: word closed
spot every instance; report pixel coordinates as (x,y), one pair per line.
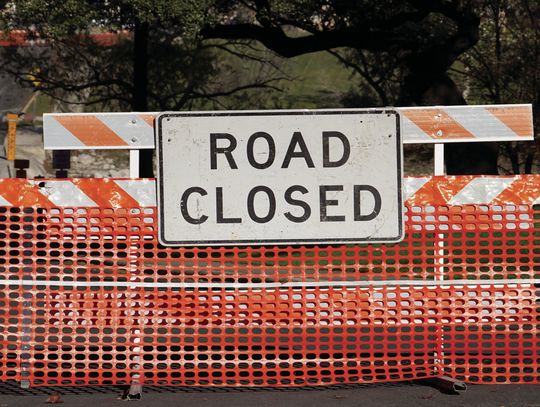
(279,177)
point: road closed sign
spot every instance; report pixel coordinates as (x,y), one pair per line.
(279,177)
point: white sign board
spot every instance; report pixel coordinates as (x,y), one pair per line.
(279,177)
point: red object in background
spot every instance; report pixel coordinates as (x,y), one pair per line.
(24,38)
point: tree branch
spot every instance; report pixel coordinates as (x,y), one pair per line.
(367,77)
(275,38)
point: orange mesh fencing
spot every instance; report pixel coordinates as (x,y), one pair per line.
(89,296)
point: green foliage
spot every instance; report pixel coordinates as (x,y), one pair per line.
(60,18)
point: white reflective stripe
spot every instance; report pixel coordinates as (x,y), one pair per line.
(481,191)
(289,284)
(143,191)
(537,202)
(131,128)
(412,133)
(411,185)
(481,123)
(57,137)
(4,202)
(63,193)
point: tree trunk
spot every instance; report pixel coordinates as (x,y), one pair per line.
(140,89)
(427,83)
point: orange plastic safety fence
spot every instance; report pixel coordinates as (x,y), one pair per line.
(89,297)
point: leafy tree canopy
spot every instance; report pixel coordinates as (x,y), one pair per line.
(61,18)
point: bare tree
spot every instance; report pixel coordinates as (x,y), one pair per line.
(504,67)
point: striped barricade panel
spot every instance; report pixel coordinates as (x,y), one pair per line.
(448,124)
(443,124)
(89,297)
